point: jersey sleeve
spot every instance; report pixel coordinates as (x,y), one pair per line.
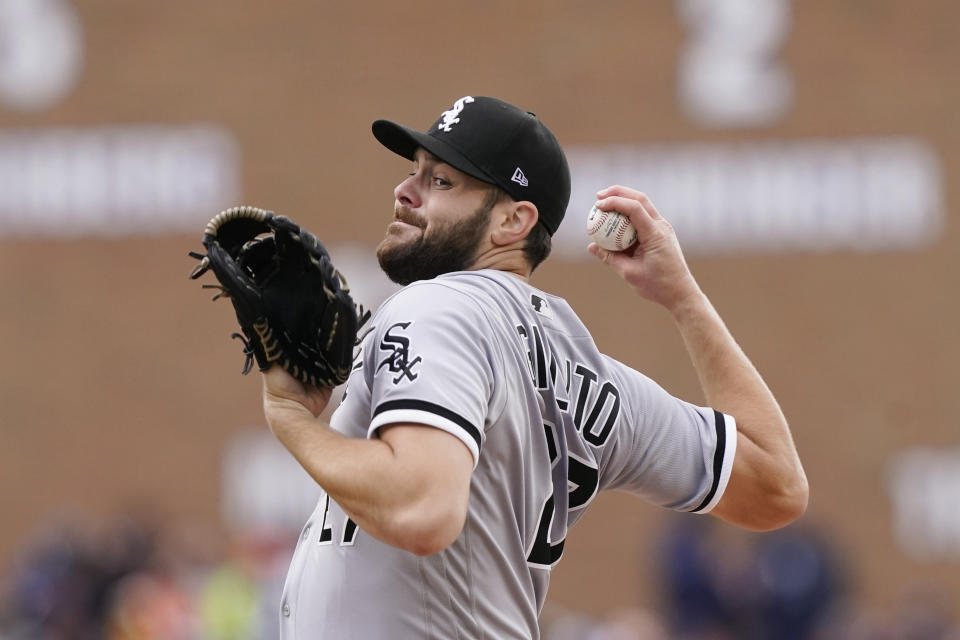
(668,451)
(426,363)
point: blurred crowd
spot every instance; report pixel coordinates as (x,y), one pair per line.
(720,583)
(130,579)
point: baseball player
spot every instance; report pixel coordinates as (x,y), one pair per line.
(480,420)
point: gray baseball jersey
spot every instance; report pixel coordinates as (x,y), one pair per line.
(511,372)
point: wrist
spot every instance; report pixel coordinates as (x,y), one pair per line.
(284,414)
(691,302)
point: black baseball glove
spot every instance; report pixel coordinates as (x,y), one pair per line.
(293,306)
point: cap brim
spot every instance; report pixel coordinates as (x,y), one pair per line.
(405,141)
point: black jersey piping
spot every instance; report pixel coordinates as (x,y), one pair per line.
(720,422)
(429,407)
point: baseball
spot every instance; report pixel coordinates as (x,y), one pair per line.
(610,230)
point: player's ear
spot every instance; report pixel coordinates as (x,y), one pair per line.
(514,221)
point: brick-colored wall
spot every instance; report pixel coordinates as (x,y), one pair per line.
(119,384)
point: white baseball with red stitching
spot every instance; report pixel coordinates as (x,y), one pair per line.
(610,230)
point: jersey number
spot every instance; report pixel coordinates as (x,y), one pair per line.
(582,481)
(326,530)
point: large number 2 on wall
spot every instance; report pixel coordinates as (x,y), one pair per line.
(728,73)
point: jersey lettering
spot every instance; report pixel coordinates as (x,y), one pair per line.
(607,392)
(587,378)
(601,414)
(541,364)
(595,412)
(562,404)
(521,330)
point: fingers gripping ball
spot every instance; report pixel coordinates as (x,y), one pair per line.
(610,230)
(293,306)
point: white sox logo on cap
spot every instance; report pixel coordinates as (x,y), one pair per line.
(452,116)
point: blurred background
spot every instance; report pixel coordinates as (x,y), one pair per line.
(807,153)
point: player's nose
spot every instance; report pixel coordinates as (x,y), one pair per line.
(406,192)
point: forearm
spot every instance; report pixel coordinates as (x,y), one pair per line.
(769,473)
(365,477)
(729,380)
(767,486)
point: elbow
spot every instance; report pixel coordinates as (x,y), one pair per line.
(795,497)
(800,498)
(766,506)
(784,506)
(424,533)
(427,545)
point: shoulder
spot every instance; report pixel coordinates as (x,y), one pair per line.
(464,293)
(433,313)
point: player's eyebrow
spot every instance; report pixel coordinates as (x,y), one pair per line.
(423,159)
(422,156)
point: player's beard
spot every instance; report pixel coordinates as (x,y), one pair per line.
(447,247)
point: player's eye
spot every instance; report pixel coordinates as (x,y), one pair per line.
(440,181)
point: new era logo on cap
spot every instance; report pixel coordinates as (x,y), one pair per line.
(519,178)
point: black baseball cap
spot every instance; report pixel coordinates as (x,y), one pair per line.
(495,142)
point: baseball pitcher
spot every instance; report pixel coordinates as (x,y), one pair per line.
(479,419)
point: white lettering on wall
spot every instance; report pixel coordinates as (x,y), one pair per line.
(115,180)
(819,195)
